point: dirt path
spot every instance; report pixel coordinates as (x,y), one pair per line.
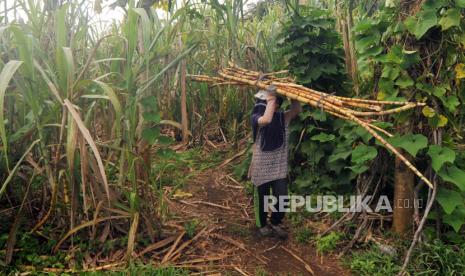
(229,239)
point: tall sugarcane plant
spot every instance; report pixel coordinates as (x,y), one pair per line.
(81,110)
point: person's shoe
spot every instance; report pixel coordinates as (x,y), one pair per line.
(265,231)
(281,233)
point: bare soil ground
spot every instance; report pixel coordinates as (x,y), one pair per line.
(227,242)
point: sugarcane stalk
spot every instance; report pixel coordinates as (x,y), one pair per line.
(342,111)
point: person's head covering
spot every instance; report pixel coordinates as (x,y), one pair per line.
(272,135)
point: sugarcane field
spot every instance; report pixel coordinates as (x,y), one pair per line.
(232,137)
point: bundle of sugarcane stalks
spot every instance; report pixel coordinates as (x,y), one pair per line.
(356,110)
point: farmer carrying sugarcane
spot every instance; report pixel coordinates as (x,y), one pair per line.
(269,166)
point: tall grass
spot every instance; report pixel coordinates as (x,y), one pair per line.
(80,108)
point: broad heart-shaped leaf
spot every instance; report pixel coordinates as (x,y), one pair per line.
(450,19)
(438,120)
(149,102)
(150,135)
(339,153)
(390,72)
(165,140)
(358,168)
(301,41)
(165,153)
(363,153)
(451,103)
(449,199)
(440,155)
(460,3)
(404,81)
(453,175)
(412,143)
(459,71)
(456,219)
(419,26)
(312,151)
(428,112)
(323,137)
(152,117)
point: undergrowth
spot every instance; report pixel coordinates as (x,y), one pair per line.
(430,258)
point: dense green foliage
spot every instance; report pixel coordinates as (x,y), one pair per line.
(320,145)
(83,108)
(420,57)
(313,50)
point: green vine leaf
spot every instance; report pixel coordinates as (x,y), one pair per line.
(151,117)
(150,135)
(449,200)
(450,19)
(323,137)
(460,3)
(426,20)
(339,153)
(358,168)
(459,71)
(454,175)
(438,120)
(404,81)
(363,153)
(412,143)
(428,112)
(456,219)
(149,102)
(451,103)
(440,155)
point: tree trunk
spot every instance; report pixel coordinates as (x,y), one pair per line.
(403,198)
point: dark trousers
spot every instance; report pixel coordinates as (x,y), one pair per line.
(278,188)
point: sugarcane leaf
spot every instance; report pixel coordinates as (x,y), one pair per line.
(450,19)
(440,155)
(5,76)
(145,23)
(412,143)
(108,90)
(363,153)
(452,174)
(88,137)
(16,167)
